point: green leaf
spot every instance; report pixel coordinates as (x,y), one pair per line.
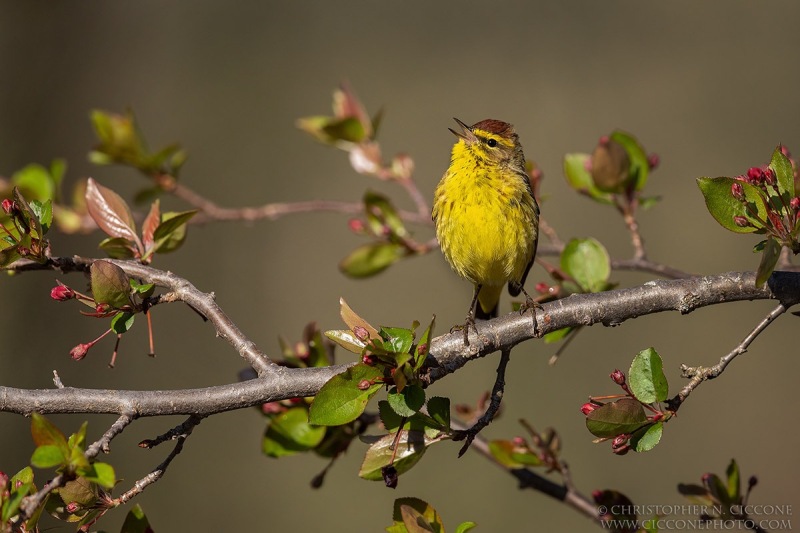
(35,181)
(371,259)
(784,173)
(136,521)
(122,322)
(43,212)
(145,290)
(510,456)
(29,219)
(290,433)
(612,419)
(410,448)
(118,247)
(415,522)
(48,456)
(646,377)
(380,211)
(421,508)
(110,284)
(389,418)
(463,527)
(734,483)
(397,340)
(11,505)
(588,263)
(346,339)
(580,179)
(100,473)
(769,258)
(724,207)
(408,402)
(171,233)
(439,410)
(645,440)
(557,335)
(45,433)
(639,166)
(341,400)
(423,346)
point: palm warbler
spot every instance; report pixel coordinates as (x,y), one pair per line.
(487,220)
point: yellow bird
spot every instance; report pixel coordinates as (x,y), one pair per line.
(486,217)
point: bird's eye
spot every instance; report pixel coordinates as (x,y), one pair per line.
(492,142)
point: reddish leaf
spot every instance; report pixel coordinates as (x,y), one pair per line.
(150,224)
(111,213)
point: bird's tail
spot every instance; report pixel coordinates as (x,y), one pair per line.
(488,300)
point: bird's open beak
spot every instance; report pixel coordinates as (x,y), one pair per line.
(465,132)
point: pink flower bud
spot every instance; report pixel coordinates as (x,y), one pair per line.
(364,384)
(795,203)
(368,359)
(61,293)
(755,175)
(542,287)
(737,190)
(776,221)
(620,441)
(8,206)
(72,507)
(356,225)
(80,351)
(519,442)
(653,161)
(618,377)
(588,407)
(622,450)
(361,333)
(741,221)
(769,177)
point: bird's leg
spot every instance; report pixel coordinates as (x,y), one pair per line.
(470,317)
(530,303)
(468,435)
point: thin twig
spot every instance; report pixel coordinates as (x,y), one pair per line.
(528,479)
(159,471)
(700,374)
(273,211)
(32,502)
(494,405)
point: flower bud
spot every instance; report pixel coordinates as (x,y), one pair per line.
(364,384)
(776,221)
(79,352)
(8,206)
(622,450)
(769,177)
(519,442)
(620,441)
(737,190)
(368,359)
(597,496)
(794,203)
(741,221)
(618,377)
(356,225)
(3,480)
(755,175)
(653,161)
(542,287)
(72,507)
(61,293)
(588,407)
(361,333)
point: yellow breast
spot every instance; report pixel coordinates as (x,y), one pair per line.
(485,221)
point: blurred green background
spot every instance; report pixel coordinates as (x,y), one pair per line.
(710,86)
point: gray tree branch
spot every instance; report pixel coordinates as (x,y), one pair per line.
(448,352)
